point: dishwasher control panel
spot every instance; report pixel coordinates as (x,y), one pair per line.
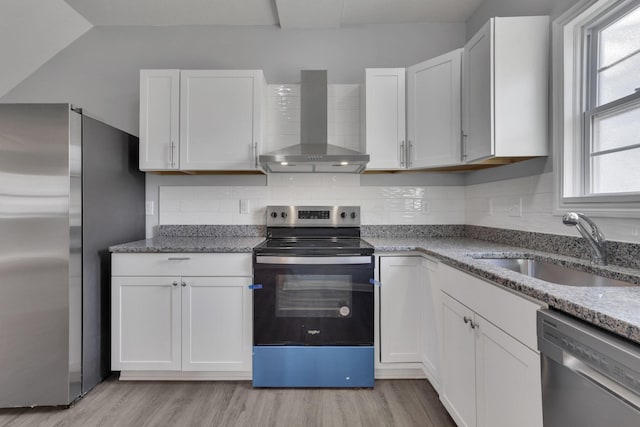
(585,345)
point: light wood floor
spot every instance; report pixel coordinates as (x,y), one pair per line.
(114,403)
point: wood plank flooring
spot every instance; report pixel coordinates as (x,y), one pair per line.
(393,403)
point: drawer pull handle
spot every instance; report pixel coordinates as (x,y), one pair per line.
(186,258)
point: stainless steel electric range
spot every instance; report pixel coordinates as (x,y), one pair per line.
(313,300)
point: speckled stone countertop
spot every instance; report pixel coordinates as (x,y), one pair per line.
(616,309)
(189,244)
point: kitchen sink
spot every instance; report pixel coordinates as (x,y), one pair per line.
(554,273)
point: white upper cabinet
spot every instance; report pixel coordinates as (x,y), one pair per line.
(505,89)
(220,119)
(433,112)
(195,120)
(385,118)
(159,119)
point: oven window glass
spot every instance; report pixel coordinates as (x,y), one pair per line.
(313,295)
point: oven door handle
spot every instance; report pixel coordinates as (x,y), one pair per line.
(375,282)
(296,260)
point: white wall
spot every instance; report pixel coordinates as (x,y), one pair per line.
(100,70)
(491,8)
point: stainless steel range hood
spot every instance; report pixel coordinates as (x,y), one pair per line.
(314,154)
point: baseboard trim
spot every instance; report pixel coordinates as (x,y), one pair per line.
(183,376)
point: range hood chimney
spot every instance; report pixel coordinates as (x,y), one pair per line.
(314,154)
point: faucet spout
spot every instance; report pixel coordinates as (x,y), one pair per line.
(593,236)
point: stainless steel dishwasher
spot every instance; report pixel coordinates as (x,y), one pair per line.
(590,378)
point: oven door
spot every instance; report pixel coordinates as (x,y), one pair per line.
(313,300)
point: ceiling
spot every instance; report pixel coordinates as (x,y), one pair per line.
(286,13)
(48,26)
(31,33)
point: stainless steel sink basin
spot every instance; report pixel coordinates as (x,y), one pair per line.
(554,273)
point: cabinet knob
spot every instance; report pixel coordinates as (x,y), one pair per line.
(184,284)
(466,319)
(175,283)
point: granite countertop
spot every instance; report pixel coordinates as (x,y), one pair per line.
(189,244)
(616,309)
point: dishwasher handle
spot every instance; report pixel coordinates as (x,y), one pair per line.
(601,381)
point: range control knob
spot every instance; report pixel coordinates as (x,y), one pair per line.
(343,215)
(274,214)
(283,214)
(353,215)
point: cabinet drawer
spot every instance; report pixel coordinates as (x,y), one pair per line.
(181,264)
(513,314)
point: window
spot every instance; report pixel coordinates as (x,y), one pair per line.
(597,107)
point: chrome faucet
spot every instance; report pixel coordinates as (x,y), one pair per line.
(594,237)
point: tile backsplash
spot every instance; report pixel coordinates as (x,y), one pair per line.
(526,204)
(379,204)
(283,116)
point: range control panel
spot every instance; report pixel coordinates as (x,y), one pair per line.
(313,216)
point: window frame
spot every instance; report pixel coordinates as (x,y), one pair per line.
(574,106)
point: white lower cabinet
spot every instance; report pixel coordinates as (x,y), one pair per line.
(508,381)
(145,332)
(489,377)
(431,321)
(216,324)
(181,321)
(458,392)
(400,309)
(407,312)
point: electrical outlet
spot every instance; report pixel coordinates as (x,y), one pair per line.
(244,206)
(148,207)
(515,206)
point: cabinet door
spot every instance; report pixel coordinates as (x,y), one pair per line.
(400,309)
(431,321)
(145,323)
(385,118)
(220,119)
(458,391)
(159,115)
(477,96)
(509,391)
(216,324)
(433,111)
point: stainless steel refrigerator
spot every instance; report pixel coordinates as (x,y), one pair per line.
(69,188)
